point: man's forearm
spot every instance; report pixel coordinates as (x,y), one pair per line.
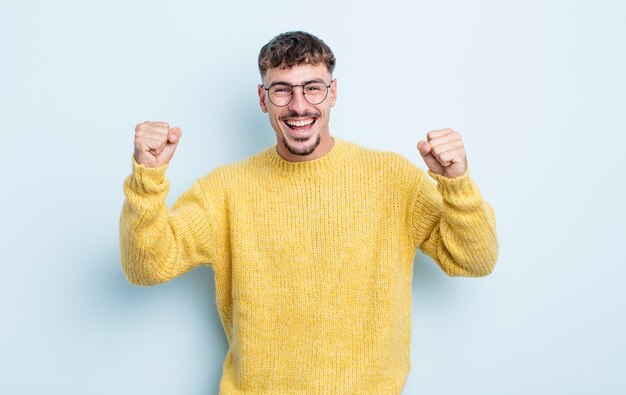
(462,238)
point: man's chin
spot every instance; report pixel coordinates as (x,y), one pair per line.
(302,148)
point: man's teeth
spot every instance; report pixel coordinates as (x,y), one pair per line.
(299,122)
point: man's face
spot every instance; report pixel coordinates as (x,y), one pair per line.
(301,128)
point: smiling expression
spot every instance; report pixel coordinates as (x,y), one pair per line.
(301,128)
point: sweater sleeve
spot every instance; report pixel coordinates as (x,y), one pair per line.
(158,244)
(454,225)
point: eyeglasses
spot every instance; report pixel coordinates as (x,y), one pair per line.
(281,94)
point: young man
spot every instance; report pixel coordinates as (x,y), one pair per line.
(312,241)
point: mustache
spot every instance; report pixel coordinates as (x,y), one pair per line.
(295,114)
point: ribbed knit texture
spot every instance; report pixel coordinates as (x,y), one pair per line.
(313,260)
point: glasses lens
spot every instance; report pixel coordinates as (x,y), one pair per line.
(280,94)
(315,92)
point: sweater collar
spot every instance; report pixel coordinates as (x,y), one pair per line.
(318,166)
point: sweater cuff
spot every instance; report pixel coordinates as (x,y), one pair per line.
(458,188)
(148,180)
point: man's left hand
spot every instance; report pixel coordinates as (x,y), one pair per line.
(443,152)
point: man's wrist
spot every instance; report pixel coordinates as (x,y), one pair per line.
(457,186)
(148,179)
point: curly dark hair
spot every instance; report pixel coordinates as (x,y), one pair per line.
(295,48)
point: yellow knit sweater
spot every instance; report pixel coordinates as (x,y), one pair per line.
(313,261)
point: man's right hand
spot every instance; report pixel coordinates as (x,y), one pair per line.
(155,143)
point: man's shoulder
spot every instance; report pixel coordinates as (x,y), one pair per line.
(386,166)
(235,170)
(244,164)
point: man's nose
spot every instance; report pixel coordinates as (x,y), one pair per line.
(298,102)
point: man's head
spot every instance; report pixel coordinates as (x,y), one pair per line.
(297,92)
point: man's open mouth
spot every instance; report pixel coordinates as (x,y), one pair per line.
(301,125)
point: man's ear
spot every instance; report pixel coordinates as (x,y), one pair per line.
(333,92)
(261,92)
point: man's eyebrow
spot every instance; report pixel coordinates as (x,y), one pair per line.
(315,80)
(279,83)
(289,84)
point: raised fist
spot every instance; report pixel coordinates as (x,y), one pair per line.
(155,143)
(444,152)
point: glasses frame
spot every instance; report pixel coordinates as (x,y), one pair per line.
(293,92)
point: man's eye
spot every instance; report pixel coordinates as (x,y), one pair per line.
(313,88)
(282,90)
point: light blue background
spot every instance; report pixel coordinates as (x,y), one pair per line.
(536,89)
